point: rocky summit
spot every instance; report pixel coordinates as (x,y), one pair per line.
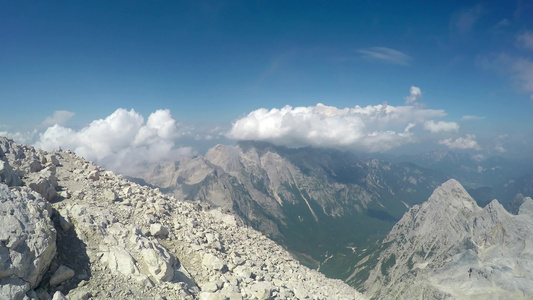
(450,248)
(71,230)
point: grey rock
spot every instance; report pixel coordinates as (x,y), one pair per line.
(63,273)
(53,160)
(44,183)
(27,241)
(65,223)
(159,230)
(262,290)
(120,261)
(35,166)
(8,176)
(80,295)
(59,296)
(159,262)
(211,262)
(110,195)
(209,287)
(94,175)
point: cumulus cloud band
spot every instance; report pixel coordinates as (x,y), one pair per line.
(375,128)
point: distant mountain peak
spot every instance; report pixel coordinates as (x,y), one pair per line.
(452,194)
(450,248)
(527,207)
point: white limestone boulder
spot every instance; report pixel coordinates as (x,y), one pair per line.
(27,241)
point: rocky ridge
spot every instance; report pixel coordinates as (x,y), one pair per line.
(450,248)
(100,236)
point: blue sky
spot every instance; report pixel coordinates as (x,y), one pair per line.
(212,63)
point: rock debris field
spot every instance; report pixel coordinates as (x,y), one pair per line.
(71,230)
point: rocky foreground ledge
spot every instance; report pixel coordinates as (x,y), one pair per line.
(71,230)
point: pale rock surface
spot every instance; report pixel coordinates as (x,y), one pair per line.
(59,296)
(44,183)
(449,248)
(63,273)
(159,230)
(7,175)
(211,262)
(27,240)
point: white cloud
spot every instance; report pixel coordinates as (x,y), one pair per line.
(59,117)
(525,40)
(467,142)
(440,126)
(371,128)
(121,141)
(21,137)
(384,54)
(472,117)
(160,124)
(415,94)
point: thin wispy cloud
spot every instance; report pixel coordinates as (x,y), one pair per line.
(522,70)
(518,68)
(59,117)
(525,40)
(471,117)
(386,55)
(463,21)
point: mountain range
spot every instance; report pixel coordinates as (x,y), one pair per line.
(330,208)
(394,230)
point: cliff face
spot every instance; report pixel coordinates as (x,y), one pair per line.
(104,237)
(448,247)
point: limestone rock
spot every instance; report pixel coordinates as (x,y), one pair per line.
(44,183)
(262,290)
(159,230)
(210,261)
(63,273)
(159,262)
(27,241)
(7,175)
(53,160)
(94,175)
(110,195)
(210,287)
(120,260)
(59,296)
(65,223)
